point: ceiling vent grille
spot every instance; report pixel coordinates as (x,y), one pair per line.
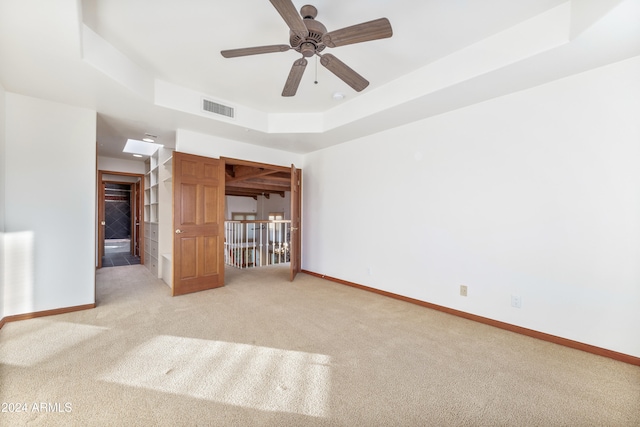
(215,108)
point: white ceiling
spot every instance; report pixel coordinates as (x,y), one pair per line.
(136,61)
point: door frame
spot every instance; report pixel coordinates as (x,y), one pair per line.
(296,176)
(101,210)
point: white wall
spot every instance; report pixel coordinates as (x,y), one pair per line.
(535,194)
(239,204)
(50,204)
(275,203)
(121,165)
(2,192)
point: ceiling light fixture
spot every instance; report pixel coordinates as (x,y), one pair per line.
(149,137)
(338,96)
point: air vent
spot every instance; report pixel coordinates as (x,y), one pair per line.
(214,107)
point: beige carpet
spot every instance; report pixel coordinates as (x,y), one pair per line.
(266,352)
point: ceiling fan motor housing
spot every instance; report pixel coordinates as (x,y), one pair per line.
(313,42)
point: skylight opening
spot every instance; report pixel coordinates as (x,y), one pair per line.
(135,146)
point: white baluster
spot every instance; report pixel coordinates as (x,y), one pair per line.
(235,244)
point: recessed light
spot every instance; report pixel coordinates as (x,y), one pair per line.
(148,140)
(137,155)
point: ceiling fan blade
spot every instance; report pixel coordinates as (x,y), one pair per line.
(372,30)
(344,72)
(233,53)
(291,16)
(295,75)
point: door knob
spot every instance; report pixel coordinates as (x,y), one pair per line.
(103,223)
(178,231)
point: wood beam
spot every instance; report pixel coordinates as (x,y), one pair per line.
(242,173)
(230,161)
(268,181)
(250,193)
(258,186)
(277,177)
(251,179)
(242,193)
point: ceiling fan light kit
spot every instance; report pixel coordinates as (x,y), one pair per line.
(310,37)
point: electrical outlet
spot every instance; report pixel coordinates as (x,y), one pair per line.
(516,301)
(463,290)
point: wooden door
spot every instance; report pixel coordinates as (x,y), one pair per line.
(296,223)
(198,219)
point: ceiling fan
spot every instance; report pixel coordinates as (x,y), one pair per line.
(310,37)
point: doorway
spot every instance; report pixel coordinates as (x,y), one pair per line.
(120,235)
(268,184)
(120,246)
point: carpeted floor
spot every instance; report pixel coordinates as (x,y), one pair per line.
(266,352)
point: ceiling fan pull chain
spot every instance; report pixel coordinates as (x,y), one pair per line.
(316,80)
